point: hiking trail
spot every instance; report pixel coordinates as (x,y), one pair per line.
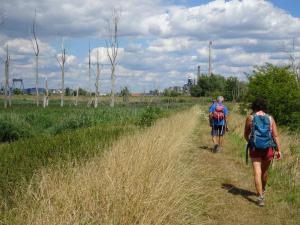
(230,194)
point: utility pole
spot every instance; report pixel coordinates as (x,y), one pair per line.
(209,59)
(7,99)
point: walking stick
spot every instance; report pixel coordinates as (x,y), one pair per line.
(247,153)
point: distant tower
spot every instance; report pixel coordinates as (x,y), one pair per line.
(209,59)
(198,72)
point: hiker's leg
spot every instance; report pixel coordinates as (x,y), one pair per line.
(221,135)
(214,135)
(256,163)
(221,140)
(264,175)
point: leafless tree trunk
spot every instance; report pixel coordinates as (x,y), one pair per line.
(112,46)
(61,61)
(97,81)
(76,97)
(36,53)
(46,94)
(89,89)
(293,62)
(7,100)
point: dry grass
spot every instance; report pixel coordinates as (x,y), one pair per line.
(141,180)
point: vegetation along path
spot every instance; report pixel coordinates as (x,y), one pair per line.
(165,174)
(229,196)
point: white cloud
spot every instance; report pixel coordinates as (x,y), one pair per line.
(160,44)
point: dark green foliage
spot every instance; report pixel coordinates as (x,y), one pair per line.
(279,87)
(150,115)
(243,108)
(13,128)
(208,86)
(231,88)
(171,93)
(68,91)
(17,91)
(82,92)
(125,94)
(235,90)
(196,91)
(72,123)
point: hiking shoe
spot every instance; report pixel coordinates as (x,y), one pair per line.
(261,201)
(216,147)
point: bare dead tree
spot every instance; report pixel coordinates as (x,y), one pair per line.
(76,97)
(46,94)
(36,50)
(97,85)
(295,66)
(7,98)
(89,89)
(112,46)
(61,59)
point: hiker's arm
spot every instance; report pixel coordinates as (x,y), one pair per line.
(275,135)
(247,129)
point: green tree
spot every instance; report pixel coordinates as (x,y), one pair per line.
(234,89)
(125,94)
(17,91)
(279,87)
(196,91)
(82,92)
(68,91)
(209,85)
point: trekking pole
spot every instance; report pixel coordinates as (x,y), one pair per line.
(247,153)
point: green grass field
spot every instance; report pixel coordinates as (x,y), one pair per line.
(33,137)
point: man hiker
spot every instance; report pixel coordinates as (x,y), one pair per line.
(218,114)
(262,137)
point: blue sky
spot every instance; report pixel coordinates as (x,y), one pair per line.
(161,42)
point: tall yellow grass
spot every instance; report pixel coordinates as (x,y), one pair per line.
(140,180)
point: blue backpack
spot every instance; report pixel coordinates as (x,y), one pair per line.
(261,135)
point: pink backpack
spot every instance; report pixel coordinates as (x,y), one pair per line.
(219,112)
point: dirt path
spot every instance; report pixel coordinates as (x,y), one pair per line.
(230,194)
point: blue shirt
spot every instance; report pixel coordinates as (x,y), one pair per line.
(212,109)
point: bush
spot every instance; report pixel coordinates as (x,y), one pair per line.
(243,108)
(149,116)
(73,123)
(279,87)
(12,129)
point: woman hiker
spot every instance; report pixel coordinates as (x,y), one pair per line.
(263,141)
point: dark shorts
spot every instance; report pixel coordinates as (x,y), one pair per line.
(263,154)
(218,130)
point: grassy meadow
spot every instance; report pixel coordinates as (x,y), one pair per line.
(136,163)
(32,138)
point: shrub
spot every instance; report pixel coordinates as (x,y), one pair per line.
(12,128)
(149,116)
(279,87)
(73,123)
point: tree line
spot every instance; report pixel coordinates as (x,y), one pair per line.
(279,85)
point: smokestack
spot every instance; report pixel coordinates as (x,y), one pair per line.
(198,73)
(209,59)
